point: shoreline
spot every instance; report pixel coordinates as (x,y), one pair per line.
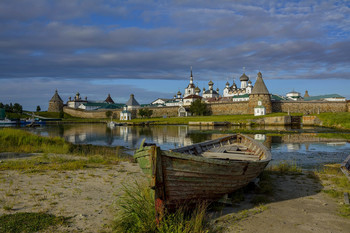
(89,198)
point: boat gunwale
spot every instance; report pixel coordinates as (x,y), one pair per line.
(226,161)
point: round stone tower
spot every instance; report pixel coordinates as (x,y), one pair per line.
(56,103)
(260,93)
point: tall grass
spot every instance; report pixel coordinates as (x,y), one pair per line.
(136,214)
(15,140)
(19,141)
(285,167)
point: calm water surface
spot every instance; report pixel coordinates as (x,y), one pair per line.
(306,148)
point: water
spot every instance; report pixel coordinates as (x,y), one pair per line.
(305,148)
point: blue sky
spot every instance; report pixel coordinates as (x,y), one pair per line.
(97,47)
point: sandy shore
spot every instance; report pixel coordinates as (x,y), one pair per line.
(89,197)
(298,205)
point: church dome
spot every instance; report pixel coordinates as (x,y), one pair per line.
(244,77)
(197,90)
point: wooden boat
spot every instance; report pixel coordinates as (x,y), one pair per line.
(345,167)
(204,171)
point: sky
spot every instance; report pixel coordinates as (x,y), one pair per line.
(147,48)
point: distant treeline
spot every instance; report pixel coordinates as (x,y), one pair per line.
(12,108)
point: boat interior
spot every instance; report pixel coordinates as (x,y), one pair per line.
(226,148)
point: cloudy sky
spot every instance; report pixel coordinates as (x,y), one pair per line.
(97,47)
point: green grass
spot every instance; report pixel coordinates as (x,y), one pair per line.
(285,167)
(338,120)
(344,211)
(16,140)
(335,185)
(19,141)
(345,136)
(137,214)
(29,222)
(241,215)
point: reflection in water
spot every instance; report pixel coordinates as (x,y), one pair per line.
(305,149)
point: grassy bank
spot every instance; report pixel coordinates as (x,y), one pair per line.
(337,120)
(54,153)
(335,185)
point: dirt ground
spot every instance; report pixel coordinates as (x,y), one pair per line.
(89,197)
(298,205)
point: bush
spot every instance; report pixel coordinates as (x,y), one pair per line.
(145,112)
(199,108)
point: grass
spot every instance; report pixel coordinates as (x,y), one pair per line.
(338,120)
(137,214)
(345,136)
(335,185)
(29,222)
(233,218)
(80,156)
(285,167)
(16,140)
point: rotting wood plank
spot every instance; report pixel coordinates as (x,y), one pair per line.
(230,156)
(212,169)
(174,181)
(229,177)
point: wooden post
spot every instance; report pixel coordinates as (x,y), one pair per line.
(346,198)
(157,181)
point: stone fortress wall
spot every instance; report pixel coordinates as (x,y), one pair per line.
(232,108)
(310,107)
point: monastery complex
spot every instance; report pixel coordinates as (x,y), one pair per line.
(245,98)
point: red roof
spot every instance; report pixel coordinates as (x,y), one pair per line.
(193,97)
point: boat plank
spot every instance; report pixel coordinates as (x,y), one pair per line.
(200,167)
(229,155)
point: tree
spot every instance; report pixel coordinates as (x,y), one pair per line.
(109,114)
(17,108)
(8,108)
(1,105)
(38,109)
(145,112)
(61,114)
(199,108)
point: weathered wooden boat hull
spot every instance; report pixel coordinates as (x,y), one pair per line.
(198,178)
(345,167)
(182,178)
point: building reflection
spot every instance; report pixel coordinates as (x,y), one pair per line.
(171,136)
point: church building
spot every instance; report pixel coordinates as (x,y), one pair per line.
(191,88)
(246,87)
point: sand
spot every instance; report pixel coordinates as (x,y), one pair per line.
(298,205)
(87,196)
(90,196)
